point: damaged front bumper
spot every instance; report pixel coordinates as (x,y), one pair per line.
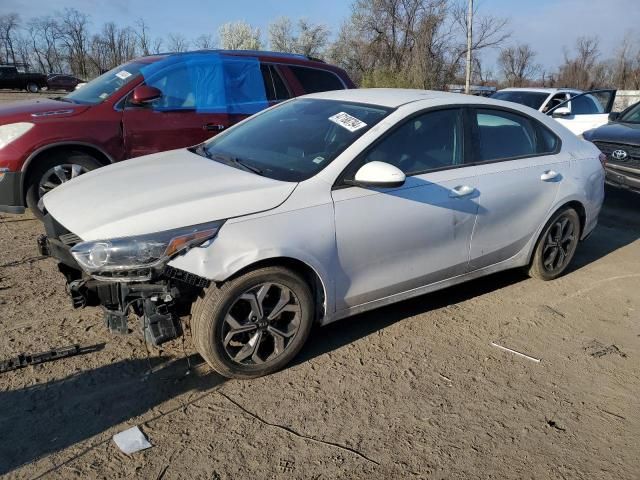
(159,303)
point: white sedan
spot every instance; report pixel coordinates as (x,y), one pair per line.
(577,110)
(320,208)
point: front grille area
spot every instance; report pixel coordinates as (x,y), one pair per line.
(186,277)
(633,153)
(70,239)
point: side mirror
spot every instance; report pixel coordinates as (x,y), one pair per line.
(145,94)
(613,116)
(379,174)
(561,112)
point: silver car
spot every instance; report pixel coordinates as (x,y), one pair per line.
(319,208)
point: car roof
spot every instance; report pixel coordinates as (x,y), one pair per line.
(396,97)
(539,90)
(243,53)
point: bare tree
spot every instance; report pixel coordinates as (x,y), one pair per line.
(73,30)
(142,33)
(205,41)
(307,38)
(113,46)
(412,43)
(9,25)
(44,35)
(176,42)
(517,64)
(581,71)
(239,36)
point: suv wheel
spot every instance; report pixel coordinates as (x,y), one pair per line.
(33,87)
(53,172)
(254,324)
(556,245)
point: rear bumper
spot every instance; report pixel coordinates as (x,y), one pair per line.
(623,177)
(11,198)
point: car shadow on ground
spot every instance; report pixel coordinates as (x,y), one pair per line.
(618,226)
(50,417)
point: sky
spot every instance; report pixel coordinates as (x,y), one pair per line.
(549,26)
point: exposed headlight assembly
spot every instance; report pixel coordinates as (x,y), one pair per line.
(134,258)
(13,131)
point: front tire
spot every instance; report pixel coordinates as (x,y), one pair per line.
(32,87)
(52,172)
(255,324)
(556,245)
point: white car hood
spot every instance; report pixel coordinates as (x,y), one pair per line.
(159,192)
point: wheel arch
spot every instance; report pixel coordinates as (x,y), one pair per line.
(56,148)
(577,205)
(306,271)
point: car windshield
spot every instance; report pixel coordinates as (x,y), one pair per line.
(530,99)
(295,140)
(102,87)
(632,115)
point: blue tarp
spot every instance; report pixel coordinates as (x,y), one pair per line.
(208,82)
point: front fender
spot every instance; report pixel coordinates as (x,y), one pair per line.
(306,235)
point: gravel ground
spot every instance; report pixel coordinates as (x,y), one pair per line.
(414,390)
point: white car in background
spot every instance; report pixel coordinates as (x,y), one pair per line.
(577,110)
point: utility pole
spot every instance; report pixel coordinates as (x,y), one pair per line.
(467,84)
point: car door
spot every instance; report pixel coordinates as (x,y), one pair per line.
(585,111)
(7,77)
(519,167)
(391,240)
(201,96)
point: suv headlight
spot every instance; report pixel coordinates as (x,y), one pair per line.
(13,131)
(113,259)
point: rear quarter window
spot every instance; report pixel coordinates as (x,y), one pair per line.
(315,80)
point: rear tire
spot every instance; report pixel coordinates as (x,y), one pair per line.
(556,245)
(33,87)
(71,164)
(232,329)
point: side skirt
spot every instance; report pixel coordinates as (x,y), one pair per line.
(518,260)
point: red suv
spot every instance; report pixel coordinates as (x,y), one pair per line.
(147,105)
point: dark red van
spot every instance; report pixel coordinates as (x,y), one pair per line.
(147,105)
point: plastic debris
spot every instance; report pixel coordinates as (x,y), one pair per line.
(533,359)
(131,440)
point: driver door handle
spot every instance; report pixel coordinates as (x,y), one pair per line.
(213,127)
(461,191)
(549,175)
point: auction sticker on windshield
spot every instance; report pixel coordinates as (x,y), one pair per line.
(123,74)
(347,121)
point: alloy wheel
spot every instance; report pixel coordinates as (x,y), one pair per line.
(56,176)
(559,242)
(261,324)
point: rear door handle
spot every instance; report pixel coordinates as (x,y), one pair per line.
(461,191)
(213,127)
(549,175)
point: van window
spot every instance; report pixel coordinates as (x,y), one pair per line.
(315,80)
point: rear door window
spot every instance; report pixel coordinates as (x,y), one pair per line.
(314,80)
(274,86)
(502,135)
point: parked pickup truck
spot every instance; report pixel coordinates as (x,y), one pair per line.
(148,105)
(12,78)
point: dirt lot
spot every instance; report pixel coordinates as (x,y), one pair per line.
(415,390)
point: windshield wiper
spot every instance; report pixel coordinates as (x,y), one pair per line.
(227,159)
